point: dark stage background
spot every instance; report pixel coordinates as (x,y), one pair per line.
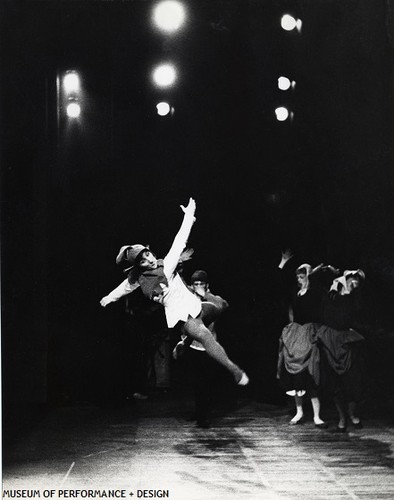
(72,194)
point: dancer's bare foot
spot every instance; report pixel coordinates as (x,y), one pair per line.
(243,379)
(297,419)
(320,423)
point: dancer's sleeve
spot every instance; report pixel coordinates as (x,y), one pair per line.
(218,301)
(172,258)
(120,291)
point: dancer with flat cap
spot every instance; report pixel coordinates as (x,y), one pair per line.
(160,281)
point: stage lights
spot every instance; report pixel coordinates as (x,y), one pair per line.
(289,23)
(164,75)
(73,110)
(71,82)
(281,113)
(169,16)
(284,111)
(163,108)
(71,94)
(284,83)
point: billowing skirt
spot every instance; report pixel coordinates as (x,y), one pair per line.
(342,366)
(299,358)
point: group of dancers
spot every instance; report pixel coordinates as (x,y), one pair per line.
(319,348)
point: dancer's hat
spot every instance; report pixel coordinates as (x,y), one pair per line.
(130,253)
(304,268)
(358,272)
(199,276)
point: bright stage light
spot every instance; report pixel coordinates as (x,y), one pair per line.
(281,114)
(163,108)
(73,110)
(284,83)
(288,22)
(169,15)
(71,82)
(164,75)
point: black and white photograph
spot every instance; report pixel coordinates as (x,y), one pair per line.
(197,249)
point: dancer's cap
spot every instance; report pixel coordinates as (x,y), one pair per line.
(199,276)
(130,253)
(304,268)
(358,272)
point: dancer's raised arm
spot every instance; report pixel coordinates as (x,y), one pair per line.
(172,258)
(286,256)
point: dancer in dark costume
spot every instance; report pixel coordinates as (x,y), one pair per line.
(201,369)
(160,282)
(342,347)
(298,362)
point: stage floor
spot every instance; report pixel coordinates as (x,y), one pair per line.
(250,452)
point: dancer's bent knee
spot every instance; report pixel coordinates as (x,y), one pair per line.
(196,329)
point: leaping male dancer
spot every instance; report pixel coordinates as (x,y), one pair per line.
(159,281)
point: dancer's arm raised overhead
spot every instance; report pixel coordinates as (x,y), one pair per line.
(172,258)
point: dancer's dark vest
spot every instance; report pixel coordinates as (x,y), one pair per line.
(150,280)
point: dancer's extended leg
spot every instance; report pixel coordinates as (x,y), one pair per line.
(196,329)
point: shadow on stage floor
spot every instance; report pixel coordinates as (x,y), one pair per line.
(249,452)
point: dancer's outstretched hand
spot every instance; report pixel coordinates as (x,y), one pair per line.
(104,301)
(191,207)
(286,256)
(332,269)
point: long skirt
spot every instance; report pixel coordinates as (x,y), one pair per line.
(299,360)
(343,367)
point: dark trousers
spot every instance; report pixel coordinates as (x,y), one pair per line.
(201,375)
